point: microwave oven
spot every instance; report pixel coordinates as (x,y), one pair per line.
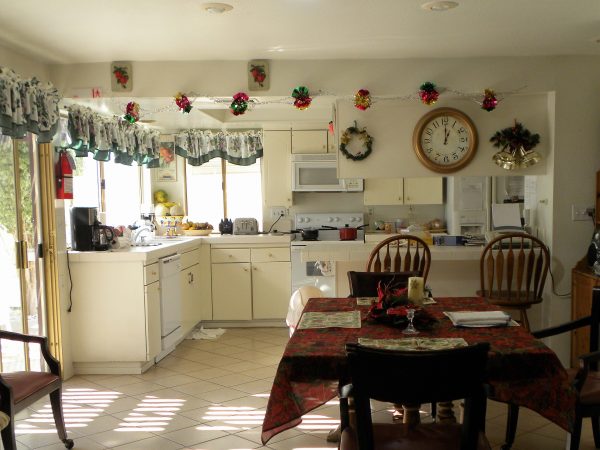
(318,173)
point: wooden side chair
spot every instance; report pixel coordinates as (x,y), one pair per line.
(586,379)
(18,390)
(401,253)
(413,378)
(364,284)
(513,269)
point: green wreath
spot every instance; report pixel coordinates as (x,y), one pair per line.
(348,135)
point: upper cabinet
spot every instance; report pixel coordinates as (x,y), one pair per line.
(311,141)
(277,174)
(404,191)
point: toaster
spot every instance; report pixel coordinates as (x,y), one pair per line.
(245,225)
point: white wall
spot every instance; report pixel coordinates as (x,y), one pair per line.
(569,123)
(23,65)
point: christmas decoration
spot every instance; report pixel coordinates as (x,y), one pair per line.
(132,112)
(239,105)
(363,136)
(258,74)
(489,101)
(121,75)
(302,97)
(183,103)
(362,99)
(517,143)
(428,93)
(330,127)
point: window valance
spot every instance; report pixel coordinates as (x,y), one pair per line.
(27,105)
(102,135)
(200,146)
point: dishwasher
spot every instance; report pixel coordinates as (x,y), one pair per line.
(170,304)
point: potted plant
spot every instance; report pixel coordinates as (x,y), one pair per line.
(516,144)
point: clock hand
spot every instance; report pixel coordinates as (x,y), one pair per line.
(446,134)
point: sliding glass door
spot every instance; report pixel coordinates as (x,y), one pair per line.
(21,308)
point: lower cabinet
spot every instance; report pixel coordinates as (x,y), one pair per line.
(190,298)
(152,306)
(250,283)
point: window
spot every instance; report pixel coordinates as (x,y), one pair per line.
(243,194)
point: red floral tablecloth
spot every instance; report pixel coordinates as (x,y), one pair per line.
(521,369)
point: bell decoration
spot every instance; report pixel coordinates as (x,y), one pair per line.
(362,99)
(428,93)
(132,112)
(239,105)
(302,97)
(517,144)
(489,101)
(183,103)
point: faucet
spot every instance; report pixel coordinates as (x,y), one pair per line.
(137,234)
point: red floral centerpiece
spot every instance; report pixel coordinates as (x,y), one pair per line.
(393,305)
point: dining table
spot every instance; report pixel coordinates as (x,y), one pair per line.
(521,369)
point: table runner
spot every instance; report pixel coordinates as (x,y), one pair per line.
(521,369)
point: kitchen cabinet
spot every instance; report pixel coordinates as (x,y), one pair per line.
(115,318)
(404,191)
(310,141)
(250,283)
(277,174)
(583,280)
(191,307)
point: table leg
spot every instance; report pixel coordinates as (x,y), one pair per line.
(411,414)
(336,434)
(445,412)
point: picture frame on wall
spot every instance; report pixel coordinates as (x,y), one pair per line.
(259,76)
(167,169)
(121,76)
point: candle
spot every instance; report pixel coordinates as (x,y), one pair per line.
(415,290)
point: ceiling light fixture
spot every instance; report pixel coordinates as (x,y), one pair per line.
(439,5)
(217,8)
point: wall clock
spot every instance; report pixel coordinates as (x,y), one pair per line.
(445,140)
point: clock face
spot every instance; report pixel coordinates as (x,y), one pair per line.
(445,140)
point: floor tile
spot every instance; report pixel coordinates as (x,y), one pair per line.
(232,380)
(302,441)
(209,373)
(221,395)
(254,387)
(174,380)
(153,443)
(198,387)
(114,438)
(226,443)
(80,444)
(193,435)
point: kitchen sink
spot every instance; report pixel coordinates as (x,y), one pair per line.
(147,244)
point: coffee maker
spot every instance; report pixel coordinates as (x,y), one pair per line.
(87,233)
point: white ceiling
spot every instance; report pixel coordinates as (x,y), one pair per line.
(83,31)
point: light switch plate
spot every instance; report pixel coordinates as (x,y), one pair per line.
(580,212)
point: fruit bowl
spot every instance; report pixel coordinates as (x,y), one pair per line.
(197,232)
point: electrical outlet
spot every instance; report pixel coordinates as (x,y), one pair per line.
(371,211)
(581,212)
(278,211)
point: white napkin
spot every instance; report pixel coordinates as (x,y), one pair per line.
(478,318)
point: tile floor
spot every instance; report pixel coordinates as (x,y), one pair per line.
(212,395)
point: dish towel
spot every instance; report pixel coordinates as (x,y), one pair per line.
(478,318)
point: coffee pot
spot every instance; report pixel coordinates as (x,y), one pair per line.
(102,236)
(226,226)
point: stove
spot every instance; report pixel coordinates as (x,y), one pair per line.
(335,220)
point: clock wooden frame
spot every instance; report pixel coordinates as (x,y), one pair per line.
(420,128)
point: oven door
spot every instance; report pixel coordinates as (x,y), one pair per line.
(312,273)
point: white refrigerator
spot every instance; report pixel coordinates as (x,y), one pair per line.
(468,201)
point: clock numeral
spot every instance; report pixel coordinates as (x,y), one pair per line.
(437,156)
(462,130)
(429,150)
(453,124)
(454,155)
(445,120)
(463,139)
(435,124)
(462,149)
(427,141)
(428,131)
(446,159)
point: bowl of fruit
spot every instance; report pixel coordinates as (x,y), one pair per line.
(196,228)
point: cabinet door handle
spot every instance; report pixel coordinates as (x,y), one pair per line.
(245,269)
(407,199)
(254,268)
(270,255)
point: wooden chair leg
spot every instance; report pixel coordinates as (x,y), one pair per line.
(596,430)
(59,420)
(525,319)
(574,437)
(511,426)
(8,434)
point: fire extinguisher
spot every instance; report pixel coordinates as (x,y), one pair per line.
(64,175)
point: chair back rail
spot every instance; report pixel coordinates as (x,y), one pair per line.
(401,253)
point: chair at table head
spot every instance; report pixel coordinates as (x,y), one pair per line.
(414,377)
(364,284)
(298,302)
(401,253)
(513,269)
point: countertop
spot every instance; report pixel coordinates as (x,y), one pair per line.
(170,246)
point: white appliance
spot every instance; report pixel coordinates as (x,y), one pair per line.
(170,304)
(468,205)
(318,172)
(321,273)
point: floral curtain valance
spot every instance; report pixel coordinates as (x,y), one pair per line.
(27,105)
(102,135)
(200,146)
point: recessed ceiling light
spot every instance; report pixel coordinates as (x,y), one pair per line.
(217,8)
(439,5)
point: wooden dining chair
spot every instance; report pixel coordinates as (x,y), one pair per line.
(20,389)
(414,377)
(364,284)
(585,378)
(401,253)
(513,269)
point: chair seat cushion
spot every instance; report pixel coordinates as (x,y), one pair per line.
(24,384)
(590,393)
(421,437)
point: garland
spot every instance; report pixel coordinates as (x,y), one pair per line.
(363,136)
